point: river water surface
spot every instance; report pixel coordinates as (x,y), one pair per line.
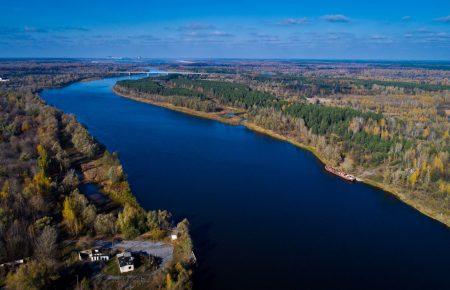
(264,214)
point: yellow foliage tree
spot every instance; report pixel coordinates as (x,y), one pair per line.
(43,160)
(4,193)
(426,133)
(444,187)
(376,130)
(42,183)
(423,168)
(71,220)
(25,126)
(169,281)
(413,177)
(131,221)
(438,164)
(446,135)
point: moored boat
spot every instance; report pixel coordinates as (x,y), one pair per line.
(340,173)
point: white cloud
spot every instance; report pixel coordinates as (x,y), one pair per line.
(336,18)
(406,18)
(445,19)
(294,21)
(196,26)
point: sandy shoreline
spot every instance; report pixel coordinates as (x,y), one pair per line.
(251,126)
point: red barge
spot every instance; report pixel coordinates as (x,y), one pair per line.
(340,173)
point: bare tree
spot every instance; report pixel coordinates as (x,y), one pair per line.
(45,245)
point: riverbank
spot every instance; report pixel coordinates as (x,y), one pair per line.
(104,170)
(397,192)
(212,116)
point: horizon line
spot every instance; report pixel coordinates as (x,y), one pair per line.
(118,58)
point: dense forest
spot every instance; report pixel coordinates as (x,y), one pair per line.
(225,93)
(324,85)
(411,157)
(45,218)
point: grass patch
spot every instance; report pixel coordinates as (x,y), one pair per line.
(156,234)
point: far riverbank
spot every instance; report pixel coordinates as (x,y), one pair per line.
(397,192)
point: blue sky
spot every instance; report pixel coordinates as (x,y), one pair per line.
(340,29)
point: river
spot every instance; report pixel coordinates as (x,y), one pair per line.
(264,214)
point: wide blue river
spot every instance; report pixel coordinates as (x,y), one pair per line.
(264,214)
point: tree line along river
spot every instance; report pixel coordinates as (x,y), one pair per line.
(264,214)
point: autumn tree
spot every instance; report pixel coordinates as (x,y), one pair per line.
(88,215)
(413,177)
(70,181)
(43,159)
(131,221)
(159,219)
(4,192)
(31,276)
(178,278)
(45,248)
(105,224)
(183,246)
(74,206)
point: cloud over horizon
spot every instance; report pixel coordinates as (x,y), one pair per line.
(445,19)
(337,18)
(294,21)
